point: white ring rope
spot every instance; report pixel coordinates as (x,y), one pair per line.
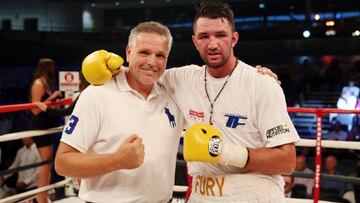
(330,144)
(17,197)
(29,133)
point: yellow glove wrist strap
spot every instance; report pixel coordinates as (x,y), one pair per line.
(234,155)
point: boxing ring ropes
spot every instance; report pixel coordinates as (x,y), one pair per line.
(318,143)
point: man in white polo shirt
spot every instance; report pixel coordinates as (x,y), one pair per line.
(122,137)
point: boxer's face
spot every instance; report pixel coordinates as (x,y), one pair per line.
(147,58)
(214,39)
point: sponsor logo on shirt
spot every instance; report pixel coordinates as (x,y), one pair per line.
(233,120)
(170,117)
(71,124)
(196,115)
(280,129)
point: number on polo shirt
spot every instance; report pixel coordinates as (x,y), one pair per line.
(71,124)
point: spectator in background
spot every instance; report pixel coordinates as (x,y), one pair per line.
(66,111)
(330,169)
(28,154)
(337,133)
(354,134)
(301,166)
(42,89)
(348,98)
(289,184)
(348,101)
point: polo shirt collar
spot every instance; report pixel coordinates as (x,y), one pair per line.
(123,85)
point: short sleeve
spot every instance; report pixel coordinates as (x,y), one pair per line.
(83,126)
(274,122)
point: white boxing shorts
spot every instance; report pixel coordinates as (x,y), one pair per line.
(240,188)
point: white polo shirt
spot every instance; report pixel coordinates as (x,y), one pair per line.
(106,115)
(250,111)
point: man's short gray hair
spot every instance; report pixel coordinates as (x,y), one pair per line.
(150,27)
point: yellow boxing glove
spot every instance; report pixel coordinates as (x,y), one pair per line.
(204,143)
(99,66)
